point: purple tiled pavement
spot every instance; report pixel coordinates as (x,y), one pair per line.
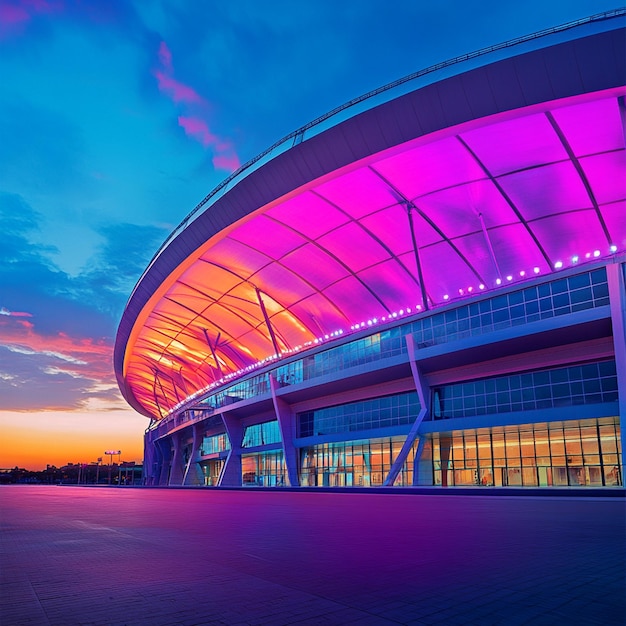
(114,556)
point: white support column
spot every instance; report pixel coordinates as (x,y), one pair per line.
(617,298)
(193,472)
(152,460)
(423,395)
(165,448)
(176,471)
(416,460)
(286,423)
(231,473)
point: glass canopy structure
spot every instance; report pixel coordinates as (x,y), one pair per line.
(477,178)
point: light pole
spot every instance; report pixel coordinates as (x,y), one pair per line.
(110,454)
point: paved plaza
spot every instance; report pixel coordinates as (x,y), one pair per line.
(114,556)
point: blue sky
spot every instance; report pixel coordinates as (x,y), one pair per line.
(118,117)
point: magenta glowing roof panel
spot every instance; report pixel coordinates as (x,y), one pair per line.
(491,201)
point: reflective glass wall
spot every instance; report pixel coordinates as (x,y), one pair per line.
(387,411)
(363,463)
(212,470)
(557,454)
(264,469)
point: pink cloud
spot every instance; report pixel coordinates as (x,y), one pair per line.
(198,129)
(5,311)
(227,162)
(225,157)
(178,91)
(165,57)
(90,357)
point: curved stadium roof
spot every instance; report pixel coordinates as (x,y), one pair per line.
(459,186)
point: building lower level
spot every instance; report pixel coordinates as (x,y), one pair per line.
(525,387)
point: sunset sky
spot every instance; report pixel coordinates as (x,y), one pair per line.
(118,117)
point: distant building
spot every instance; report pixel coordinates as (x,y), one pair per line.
(424,288)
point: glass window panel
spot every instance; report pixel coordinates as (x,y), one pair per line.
(600,291)
(527,443)
(581,295)
(560,375)
(498,445)
(612,476)
(578,281)
(484,447)
(530,294)
(529,477)
(607,368)
(598,276)
(572,441)
(590,443)
(512,445)
(561,301)
(532,308)
(542,444)
(608,440)
(559,286)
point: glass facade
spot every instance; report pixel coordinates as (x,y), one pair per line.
(551,299)
(364,463)
(212,471)
(382,412)
(264,469)
(590,383)
(215,443)
(261,435)
(248,388)
(375,347)
(553,454)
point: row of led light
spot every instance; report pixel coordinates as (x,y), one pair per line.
(536,270)
(499,281)
(372,322)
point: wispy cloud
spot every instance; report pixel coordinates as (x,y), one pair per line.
(177,91)
(56,331)
(4,311)
(61,368)
(193,116)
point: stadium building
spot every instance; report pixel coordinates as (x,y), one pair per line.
(424,287)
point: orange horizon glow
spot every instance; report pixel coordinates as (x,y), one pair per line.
(34,440)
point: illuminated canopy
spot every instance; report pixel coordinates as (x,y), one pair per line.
(480,179)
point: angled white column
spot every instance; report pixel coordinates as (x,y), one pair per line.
(193,471)
(617,298)
(423,395)
(231,474)
(165,448)
(416,460)
(286,423)
(176,472)
(152,460)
